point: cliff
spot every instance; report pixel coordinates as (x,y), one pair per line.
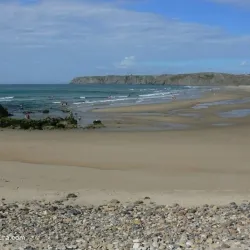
(205,79)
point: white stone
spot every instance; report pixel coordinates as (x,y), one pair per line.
(136,245)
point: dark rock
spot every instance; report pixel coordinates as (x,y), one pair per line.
(42,124)
(53,208)
(71,195)
(114,201)
(74,212)
(3,112)
(46,111)
(30,248)
(139,202)
(96,124)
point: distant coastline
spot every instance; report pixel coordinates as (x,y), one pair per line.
(195,79)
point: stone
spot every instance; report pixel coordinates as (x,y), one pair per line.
(3,112)
(114,201)
(64,225)
(71,195)
(110,247)
(224,245)
(95,125)
(139,202)
(97,122)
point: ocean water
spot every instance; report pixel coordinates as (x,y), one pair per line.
(35,98)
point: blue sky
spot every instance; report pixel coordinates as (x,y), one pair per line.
(52,41)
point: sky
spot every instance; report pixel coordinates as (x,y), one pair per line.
(53,41)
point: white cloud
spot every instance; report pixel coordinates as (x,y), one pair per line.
(127,62)
(244,63)
(75,37)
(56,22)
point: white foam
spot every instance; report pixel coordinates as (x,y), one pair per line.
(82,97)
(147,89)
(6,98)
(162,94)
(77,103)
(148,95)
(106,101)
(192,87)
(122,96)
(56,102)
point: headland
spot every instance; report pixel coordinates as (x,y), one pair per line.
(192,79)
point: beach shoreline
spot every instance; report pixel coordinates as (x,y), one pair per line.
(91,177)
(134,139)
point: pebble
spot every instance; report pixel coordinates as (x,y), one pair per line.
(137,225)
(71,195)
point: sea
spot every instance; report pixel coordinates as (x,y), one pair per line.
(35,98)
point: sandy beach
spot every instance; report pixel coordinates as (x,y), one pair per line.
(126,180)
(203,163)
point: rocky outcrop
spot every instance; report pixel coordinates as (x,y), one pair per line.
(42,124)
(198,79)
(3,112)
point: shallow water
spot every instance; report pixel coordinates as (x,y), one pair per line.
(222,124)
(35,98)
(237,113)
(224,102)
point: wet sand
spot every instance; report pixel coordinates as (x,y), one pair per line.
(200,164)
(189,114)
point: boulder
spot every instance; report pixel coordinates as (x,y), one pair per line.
(46,111)
(97,122)
(3,112)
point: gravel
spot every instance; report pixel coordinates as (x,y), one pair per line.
(140,225)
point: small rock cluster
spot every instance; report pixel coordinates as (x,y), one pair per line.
(96,124)
(41,124)
(141,225)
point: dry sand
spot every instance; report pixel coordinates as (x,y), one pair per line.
(203,164)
